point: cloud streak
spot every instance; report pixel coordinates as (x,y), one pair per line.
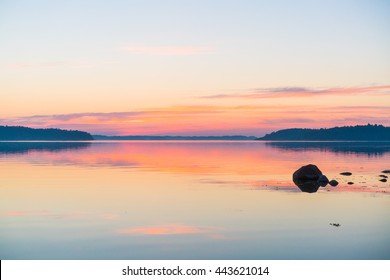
(68,215)
(57,64)
(171,229)
(288,92)
(168,50)
(41,65)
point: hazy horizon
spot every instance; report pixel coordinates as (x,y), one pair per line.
(205,134)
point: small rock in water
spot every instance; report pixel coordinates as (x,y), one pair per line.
(333,183)
(323,181)
(335,224)
(346,173)
(383,180)
(350,183)
(386,171)
(383,176)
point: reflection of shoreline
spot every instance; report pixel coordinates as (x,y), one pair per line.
(367,148)
(25,147)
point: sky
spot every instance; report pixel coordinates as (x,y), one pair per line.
(194,67)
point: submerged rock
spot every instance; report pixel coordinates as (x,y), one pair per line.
(346,173)
(383,180)
(333,183)
(323,181)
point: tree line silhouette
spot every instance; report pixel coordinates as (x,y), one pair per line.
(346,133)
(9,133)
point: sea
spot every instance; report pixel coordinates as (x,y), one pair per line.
(185,200)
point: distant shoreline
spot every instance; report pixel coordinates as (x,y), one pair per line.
(346,133)
(360,133)
(175,138)
(199,140)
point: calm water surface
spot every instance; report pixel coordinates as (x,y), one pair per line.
(191,200)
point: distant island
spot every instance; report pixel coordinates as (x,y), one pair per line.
(21,133)
(193,138)
(346,133)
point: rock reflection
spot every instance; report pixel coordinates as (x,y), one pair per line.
(309,178)
(309,186)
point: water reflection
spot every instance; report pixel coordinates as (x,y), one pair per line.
(245,164)
(25,147)
(188,200)
(365,148)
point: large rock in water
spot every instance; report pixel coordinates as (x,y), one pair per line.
(307,178)
(307,172)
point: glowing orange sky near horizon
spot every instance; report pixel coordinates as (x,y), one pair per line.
(189,69)
(209,120)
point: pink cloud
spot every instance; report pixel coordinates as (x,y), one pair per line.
(170,229)
(25,213)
